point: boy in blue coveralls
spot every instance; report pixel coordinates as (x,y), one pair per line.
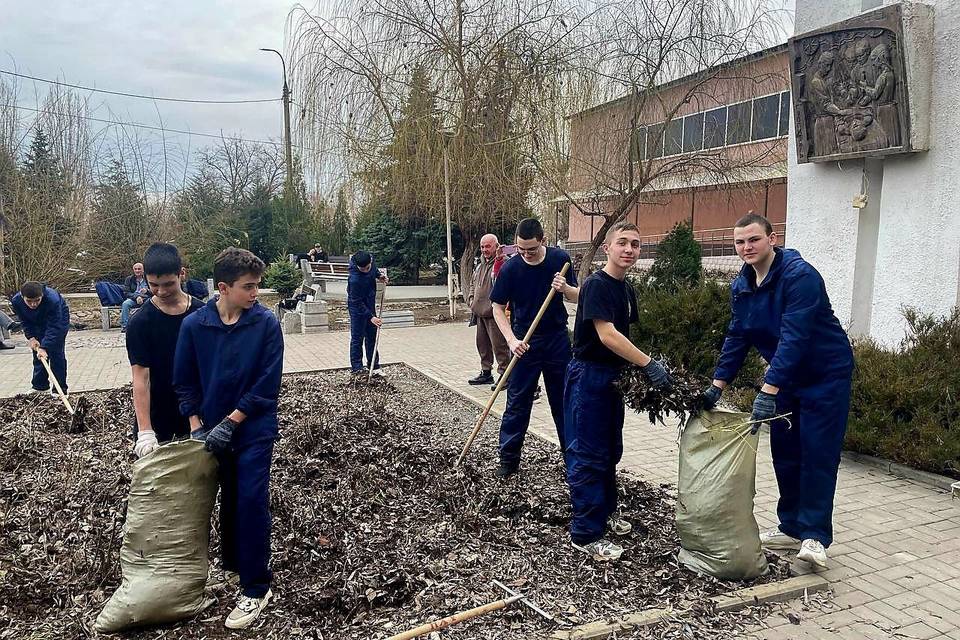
(227,375)
(780,306)
(593,406)
(362,305)
(45,317)
(524,284)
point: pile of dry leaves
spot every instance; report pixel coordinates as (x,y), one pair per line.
(374,530)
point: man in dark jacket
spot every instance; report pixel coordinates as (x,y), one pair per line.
(45,317)
(362,306)
(137,290)
(226,373)
(780,306)
(490,342)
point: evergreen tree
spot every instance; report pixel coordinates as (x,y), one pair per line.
(120,228)
(340,229)
(678,262)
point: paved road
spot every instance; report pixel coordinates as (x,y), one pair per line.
(895,565)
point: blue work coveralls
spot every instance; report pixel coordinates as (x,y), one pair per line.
(788,318)
(218,368)
(362,306)
(49,324)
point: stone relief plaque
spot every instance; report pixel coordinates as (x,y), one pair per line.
(850,94)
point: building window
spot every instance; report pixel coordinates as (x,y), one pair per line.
(715,128)
(693,133)
(766,117)
(784,113)
(673,140)
(738,123)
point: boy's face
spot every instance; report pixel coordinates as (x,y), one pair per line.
(623,248)
(33,303)
(529,249)
(242,293)
(753,244)
(166,286)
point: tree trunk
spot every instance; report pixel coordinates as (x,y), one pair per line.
(598,238)
(466,263)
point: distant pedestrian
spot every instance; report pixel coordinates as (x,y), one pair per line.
(490,342)
(362,306)
(45,317)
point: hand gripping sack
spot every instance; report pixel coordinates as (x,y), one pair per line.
(166,537)
(715,490)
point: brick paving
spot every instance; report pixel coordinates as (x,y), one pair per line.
(895,564)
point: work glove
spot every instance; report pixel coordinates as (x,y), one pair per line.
(201,433)
(146,442)
(658,376)
(764,408)
(710,397)
(218,440)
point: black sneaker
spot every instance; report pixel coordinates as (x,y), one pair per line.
(507,469)
(493,387)
(14,326)
(485,377)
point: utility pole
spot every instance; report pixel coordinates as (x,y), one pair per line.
(288,190)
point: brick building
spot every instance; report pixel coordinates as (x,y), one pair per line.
(722,152)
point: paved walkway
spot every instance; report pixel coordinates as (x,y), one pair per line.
(895,565)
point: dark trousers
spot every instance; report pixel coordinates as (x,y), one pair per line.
(245,515)
(491,344)
(548,356)
(362,334)
(58,364)
(806,457)
(593,417)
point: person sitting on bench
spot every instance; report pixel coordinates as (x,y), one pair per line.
(137,290)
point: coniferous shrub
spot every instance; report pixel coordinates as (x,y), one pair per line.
(678,261)
(283,277)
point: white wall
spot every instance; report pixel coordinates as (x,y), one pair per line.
(917,246)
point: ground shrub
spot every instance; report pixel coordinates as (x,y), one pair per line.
(906,401)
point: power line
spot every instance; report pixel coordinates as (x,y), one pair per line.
(137,95)
(153,127)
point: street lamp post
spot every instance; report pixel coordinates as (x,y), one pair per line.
(286,128)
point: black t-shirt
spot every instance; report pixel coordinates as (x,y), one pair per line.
(525,287)
(602,297)
(151,342)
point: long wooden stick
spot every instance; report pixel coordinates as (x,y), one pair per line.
(506,374)
(376,342)
(463,616)
(56,384)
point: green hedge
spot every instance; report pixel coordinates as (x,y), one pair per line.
(905,405)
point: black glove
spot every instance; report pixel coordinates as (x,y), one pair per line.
(218,440)
(710,397)
(201,433)
(764,408)
(658,376)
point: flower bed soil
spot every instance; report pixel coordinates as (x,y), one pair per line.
(374,531)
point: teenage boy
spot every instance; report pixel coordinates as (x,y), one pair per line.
(780,306)
(524,284)
(151,342)
(137,290)
(227,375)
(45,317)
(362,306)
(593,406)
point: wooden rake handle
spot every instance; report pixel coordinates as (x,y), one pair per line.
(506,374)
(463,616)
(376,341)
(56,384)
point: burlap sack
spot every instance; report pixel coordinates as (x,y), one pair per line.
(166,537)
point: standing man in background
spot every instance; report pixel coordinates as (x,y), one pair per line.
(45,317)
(490,342)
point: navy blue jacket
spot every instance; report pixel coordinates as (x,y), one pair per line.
(788,318)
(218,368)
(362,290)
(48,323)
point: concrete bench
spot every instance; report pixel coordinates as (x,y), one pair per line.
(105,315)
(397,319)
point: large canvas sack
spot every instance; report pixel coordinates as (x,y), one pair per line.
(715,491)
(166,538)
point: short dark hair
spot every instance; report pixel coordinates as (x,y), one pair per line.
(233,263)
(161,259)
(753,218)
(31,289)
(623,225)
(530,229)
(362,258)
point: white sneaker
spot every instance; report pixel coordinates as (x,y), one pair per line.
(246,611)
(776,539)
(601,550)
(618,526)
(218,579)
(377,372)
(813,552)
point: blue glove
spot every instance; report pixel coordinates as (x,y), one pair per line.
(764,408)
(201,433)
(218,440)
(658,376)
(710,397)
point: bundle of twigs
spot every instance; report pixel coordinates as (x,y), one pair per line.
(683,400)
